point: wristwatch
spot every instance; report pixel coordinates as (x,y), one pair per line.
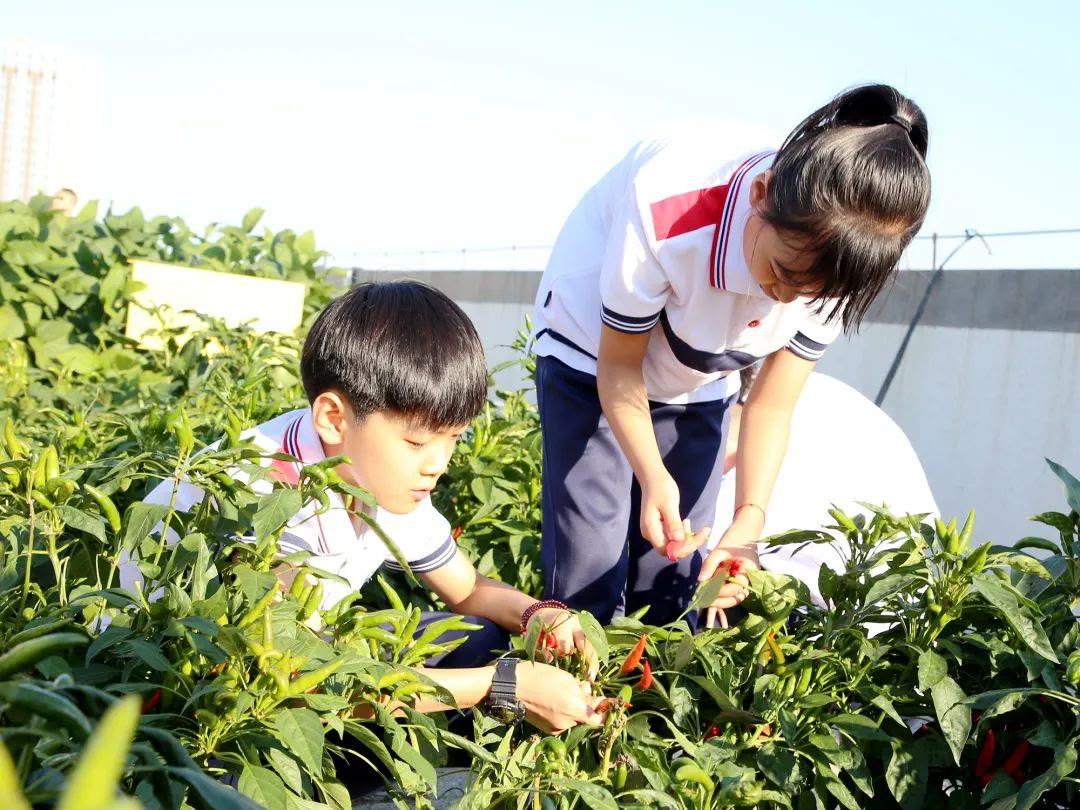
(502,703)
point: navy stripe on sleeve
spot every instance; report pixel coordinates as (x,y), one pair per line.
(628,323)
(806,348)
(436,559)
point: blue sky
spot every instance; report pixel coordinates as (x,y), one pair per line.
(389,127)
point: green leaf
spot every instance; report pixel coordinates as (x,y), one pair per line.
(858,726)
(288,769)
(1039,543)
(1029,630)
(140,520)
(302,733)
(1064,763)
(11,325)
(706,593)
(274,511)
(594,796)
(595,635)
(888,586)
(932,668)
(1072,485)
(78,519)
(953,713)
(149,654)
(262,785)
(779,765)
(906,774)
(1024,563)
(251,219)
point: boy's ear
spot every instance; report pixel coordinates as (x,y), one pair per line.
(331,414)
(759,188)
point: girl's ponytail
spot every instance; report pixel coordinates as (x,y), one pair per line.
(850,183)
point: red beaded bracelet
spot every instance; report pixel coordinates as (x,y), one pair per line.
(534,607)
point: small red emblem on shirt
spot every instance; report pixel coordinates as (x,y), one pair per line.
(754,323)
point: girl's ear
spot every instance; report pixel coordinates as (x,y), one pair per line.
(759,188)
(331,414)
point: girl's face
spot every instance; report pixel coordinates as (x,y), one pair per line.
(775,263)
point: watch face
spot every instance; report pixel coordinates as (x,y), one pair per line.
(506,712)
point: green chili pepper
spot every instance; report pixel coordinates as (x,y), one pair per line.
(105,505)
(410,689)
(257,609)
(694,773)
(51,461)
(379,634)
(312,602)
(391,594)
(185,437)
(620,776)
(14,447)
(312,679)
(976,561)
(93,781)
(1072,668)
(845,523)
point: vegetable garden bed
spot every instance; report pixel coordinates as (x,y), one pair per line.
(943,671)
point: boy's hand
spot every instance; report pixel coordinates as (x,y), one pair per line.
(660,520)
(555,700)
(562,635)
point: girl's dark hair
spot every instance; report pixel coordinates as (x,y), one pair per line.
(398,346)
(850,185)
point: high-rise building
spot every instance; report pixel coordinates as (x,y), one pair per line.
(46,137)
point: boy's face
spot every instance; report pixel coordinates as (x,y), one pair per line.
(395,459)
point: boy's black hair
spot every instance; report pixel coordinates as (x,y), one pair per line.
(850,184)
(398,346)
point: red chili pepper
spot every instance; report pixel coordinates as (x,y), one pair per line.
(152,701)
(603,706)
(552,642)
(1016,759)
(646,677)
(735,566)
(456,533)
(634,658)
(986,756)
(712,732)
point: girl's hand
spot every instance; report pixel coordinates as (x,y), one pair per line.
(660,520)
(562,635)
(732,563)
(555,700)
(736,552)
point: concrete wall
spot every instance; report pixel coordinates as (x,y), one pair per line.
(990,384)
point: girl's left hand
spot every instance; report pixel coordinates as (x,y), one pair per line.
(735,554)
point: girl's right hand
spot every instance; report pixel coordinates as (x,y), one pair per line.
(555,700)
(660,520)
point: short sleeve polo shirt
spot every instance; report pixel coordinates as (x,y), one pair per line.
(423,535)
(656,246)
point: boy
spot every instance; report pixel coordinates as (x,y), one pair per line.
(394,373)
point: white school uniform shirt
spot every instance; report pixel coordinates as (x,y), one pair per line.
(423,535)
(659,240)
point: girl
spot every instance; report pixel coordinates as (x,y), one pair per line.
(678,268)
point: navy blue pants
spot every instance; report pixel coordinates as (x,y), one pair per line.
(593,555)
